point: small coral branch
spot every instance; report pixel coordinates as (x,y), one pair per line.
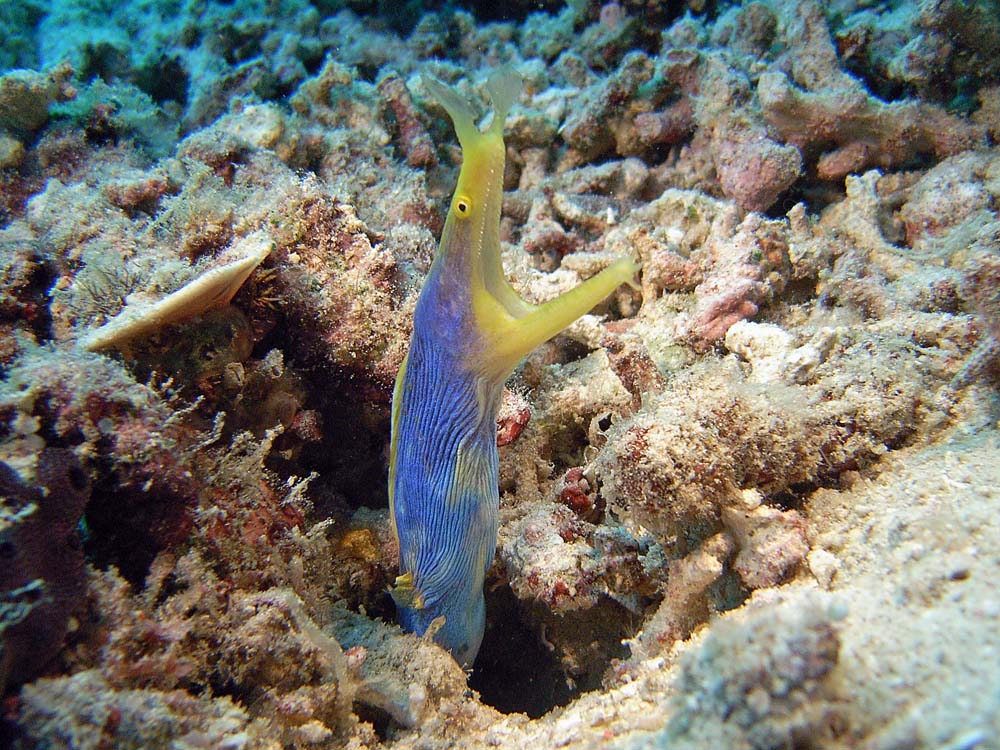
(414,141)
(866,131)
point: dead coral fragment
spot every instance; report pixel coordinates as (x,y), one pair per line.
(757,683)
(214,288)
(413,139)
(409,678)
(772,542)
(289,668)
(685,605)
(87,712)
(25,96)
(819,106)
(866,131)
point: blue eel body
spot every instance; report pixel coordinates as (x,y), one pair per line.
(470,330)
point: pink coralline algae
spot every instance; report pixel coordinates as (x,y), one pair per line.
(514,414)
(753,169)
(743,271)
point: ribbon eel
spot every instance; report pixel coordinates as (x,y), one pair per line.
(470,330)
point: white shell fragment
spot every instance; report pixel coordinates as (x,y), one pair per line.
(214,288)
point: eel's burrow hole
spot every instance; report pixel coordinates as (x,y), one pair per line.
(518,672)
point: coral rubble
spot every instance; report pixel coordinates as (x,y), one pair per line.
(749,504)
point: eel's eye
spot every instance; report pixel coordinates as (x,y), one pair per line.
(463,206)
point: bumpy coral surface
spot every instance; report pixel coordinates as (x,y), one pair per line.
(748,504)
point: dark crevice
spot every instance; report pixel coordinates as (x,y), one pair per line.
(356,468)
(380,721)
(514,672)
(518,671)
(105,61)
(39,315)
(238,44)
(351,457)
(167,81)
(127,527)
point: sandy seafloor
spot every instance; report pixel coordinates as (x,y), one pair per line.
(750,504)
